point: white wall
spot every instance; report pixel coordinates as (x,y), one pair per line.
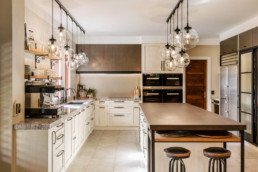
(111,85)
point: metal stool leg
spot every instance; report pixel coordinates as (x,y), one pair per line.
(170,163)
(182,165)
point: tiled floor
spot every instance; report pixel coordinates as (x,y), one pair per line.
(109,151)
(118,151)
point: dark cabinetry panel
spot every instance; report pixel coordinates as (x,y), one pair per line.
(255,37)
(111,58)
(229,46)
(246,40)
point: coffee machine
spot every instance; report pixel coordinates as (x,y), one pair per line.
(41,101)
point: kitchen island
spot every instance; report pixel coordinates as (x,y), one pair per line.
(181,116)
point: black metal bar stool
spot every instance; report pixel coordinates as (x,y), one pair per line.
(217,157)
(177,154)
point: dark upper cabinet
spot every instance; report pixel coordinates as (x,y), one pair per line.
(246,40)
(229,45)
(111,58)
(255,37)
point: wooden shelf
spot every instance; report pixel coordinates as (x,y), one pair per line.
(37,53)
(43,77)
(194,138)
(47,55)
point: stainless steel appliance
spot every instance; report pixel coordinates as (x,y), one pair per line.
(163,88)
(39,101)
(229,92)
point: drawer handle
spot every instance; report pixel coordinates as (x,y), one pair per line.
(92,119)
(119,115)
(101,107)
(69,119)
(53,137)
(60,137)
(172,78)
(119,107)
(173,94)
(83,110)
(88,123)
(74,137)
(60,153)
(119,101)
(60,125)
(101,101)
(152,78)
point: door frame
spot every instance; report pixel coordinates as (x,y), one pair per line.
(208,79)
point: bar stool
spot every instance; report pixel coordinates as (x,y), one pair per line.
(177,154)
(217,157)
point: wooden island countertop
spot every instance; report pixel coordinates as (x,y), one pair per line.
(183,116)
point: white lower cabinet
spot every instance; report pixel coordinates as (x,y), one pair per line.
(68,139)
(52,150)
(117,114)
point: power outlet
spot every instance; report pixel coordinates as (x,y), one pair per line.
(16,109)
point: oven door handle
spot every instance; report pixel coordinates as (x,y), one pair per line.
(151,94)
(172,78)
(173,94)
(153,78)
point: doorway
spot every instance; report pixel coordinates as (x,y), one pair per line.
(196,83)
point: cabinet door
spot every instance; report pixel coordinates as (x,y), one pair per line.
(246,40)
(58,160)
(136,113)
(255,37)
(151,58)
(229,45)
(68,139)
(101,115)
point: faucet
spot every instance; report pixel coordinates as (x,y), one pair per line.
(73,91)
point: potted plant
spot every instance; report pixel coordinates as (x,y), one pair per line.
(91,93)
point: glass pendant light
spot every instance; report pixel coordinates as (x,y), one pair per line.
(178,33)
(165,50)
(173,49)
(73,60)
(52,46)
(67,47)
(182,59)
(191,37)
(61,29)
(170,64)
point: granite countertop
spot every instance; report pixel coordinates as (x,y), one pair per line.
(47,123)
(118,99)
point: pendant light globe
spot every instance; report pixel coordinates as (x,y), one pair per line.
(182,59)
(170,64)
(191,38)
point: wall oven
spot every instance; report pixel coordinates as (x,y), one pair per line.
(163,88)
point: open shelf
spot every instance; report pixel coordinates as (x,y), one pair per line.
(39,53)
(43,77)
(195,138)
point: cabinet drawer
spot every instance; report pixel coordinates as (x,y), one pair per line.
(120,104)
(120,110)
(120,119)
(58,135)
(58,159)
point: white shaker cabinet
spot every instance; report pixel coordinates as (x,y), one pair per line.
(151,58)
(68,138)
(101,113)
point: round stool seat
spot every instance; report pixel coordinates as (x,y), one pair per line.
(217,153)
(177,152)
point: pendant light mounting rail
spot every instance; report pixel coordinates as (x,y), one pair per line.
(174,10)
(69,14)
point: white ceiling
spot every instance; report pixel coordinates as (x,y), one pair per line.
(147,17)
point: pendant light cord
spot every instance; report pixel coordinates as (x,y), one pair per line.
(67,29)
(167,33)
(61,16)
(173,30)
(52,18)
(182,12)
(187,12)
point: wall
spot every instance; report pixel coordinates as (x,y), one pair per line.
(111,85)
(212,51)
(11,76)
(38,21)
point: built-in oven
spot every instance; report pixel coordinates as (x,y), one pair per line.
(152,79)
(172,80)
(172,96)
(152,96)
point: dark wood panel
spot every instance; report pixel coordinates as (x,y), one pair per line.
(196,74)
(229,45)
(246,40)
(255,37)
(111,58)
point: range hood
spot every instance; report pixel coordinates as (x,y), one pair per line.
(111,59)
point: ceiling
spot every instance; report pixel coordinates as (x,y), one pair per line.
(147,17)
